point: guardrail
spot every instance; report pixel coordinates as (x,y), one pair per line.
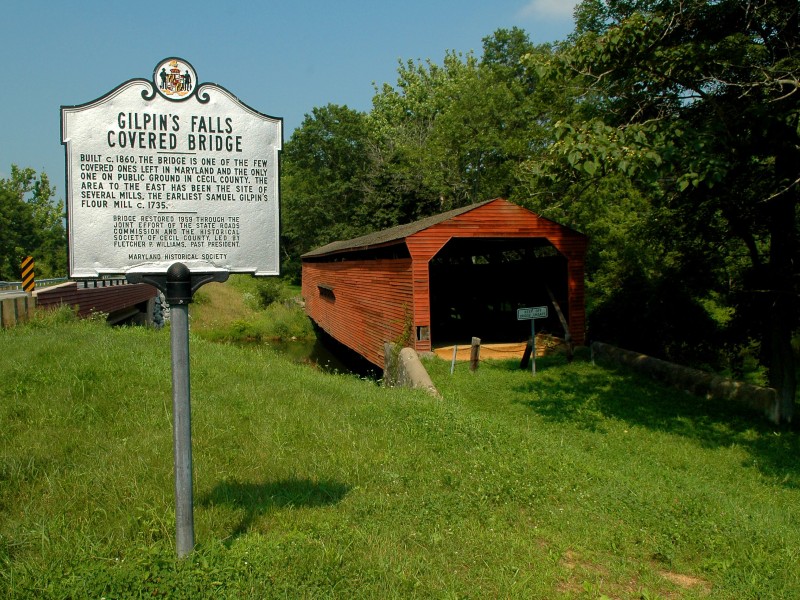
(17,285)
(82,284)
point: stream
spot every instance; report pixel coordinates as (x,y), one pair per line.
(323,353)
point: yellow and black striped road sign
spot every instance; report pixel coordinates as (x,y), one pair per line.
(28,283)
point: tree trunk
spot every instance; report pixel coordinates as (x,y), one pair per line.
(782,318)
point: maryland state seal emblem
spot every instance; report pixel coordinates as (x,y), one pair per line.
(174,78)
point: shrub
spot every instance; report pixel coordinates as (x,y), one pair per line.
(270,291)
(286,321)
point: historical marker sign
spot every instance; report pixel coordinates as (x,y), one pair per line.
(171,170)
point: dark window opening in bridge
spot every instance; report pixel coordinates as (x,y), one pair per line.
(326,291)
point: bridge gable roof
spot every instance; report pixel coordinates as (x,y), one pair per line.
(399,233)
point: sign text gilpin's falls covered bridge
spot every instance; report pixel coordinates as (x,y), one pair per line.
(447,278)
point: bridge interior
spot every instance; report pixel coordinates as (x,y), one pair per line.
(477,285)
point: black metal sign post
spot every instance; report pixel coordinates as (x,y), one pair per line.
(178,286)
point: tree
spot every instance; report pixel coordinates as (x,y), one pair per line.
(323,167)
(31,224)
(453,134)
(696,103)
(403,121)
(442,137)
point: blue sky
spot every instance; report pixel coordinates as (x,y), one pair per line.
(281,58)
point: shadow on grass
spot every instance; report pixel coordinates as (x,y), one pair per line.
(588,396)
(256,499)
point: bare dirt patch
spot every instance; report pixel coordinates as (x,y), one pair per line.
(583,575)
(493,351)
(686,581)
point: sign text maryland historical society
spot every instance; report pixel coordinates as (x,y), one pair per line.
(171,170)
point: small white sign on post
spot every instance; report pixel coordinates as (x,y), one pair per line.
(535,312)
(531,314)
(171,170)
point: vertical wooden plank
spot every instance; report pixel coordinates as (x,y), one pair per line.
(7,312)
(21,308)
(474,354)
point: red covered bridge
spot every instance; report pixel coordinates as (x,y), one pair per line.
(446,278)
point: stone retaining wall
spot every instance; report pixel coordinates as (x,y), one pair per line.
(700,383)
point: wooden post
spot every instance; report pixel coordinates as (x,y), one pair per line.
(8,314)
(474,354)
(526,356)
(567,334)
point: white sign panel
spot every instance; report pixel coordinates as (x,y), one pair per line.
(171,170)
(534,312)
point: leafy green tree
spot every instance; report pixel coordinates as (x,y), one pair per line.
(442,137)
(696,104)
(402,121)
(31,224)
(323,169)
(453,134)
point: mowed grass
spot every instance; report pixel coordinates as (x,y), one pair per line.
(581,482)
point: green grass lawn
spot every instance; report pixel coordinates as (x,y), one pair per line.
(581,482)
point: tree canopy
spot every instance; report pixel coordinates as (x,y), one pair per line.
(31,224)
(695,104)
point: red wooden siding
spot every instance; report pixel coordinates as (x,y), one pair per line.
(374,298)
(370,305)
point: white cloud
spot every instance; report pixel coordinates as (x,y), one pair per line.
(548,9)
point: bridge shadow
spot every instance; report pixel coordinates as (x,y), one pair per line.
(588,396)
(256,499)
